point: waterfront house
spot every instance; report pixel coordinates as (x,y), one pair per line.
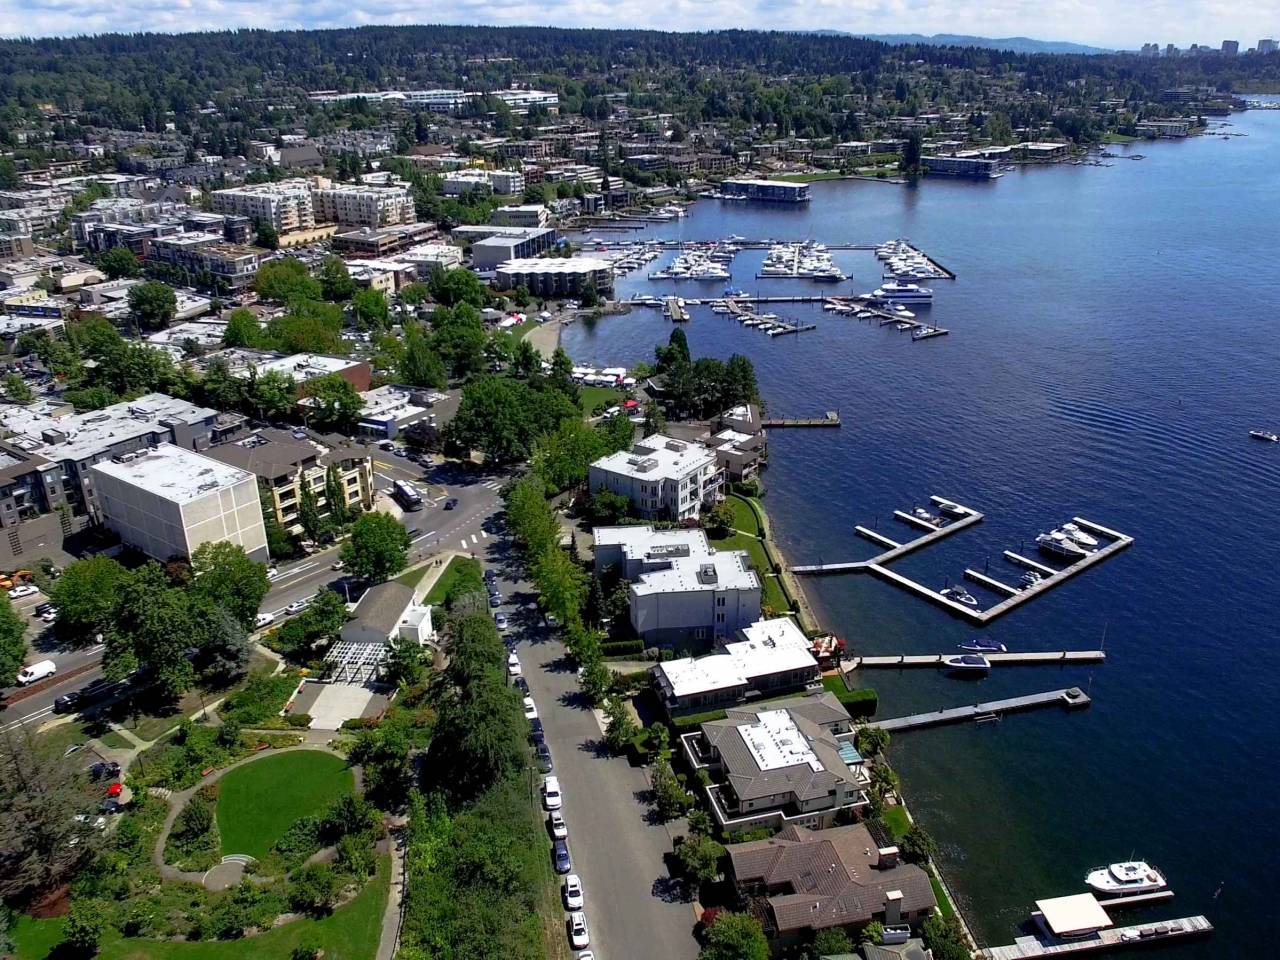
(664,478)
(769,657)
(799,882)
(785,763)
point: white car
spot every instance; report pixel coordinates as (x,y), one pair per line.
(559,829)
(551,798)
(338,565)
(578,936)
(513,666)
(297,607)
(264,620)
(273,572)
(50,615)
(572,890)
(530,709)
(23,590)
(586,955)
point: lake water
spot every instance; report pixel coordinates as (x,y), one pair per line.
(1114,338)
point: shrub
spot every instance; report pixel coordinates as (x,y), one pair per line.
(360,723)
(298,719)
(314,889)
(622,648)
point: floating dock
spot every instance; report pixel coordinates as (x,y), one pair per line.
(674,310)
(1072,698)
(995,659)
(1015,596)
(832,419)
(1132,936)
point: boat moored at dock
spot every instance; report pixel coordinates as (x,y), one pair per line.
(1125,878)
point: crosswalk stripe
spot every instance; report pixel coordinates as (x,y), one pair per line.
(473,539)
(484,534)
(464,543)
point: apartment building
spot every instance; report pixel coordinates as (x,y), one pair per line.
(361,205)
(681,589)
(662,477)
(232,267)
(521,215)
(167,501)
(286,204)
(549,277)
(285,464)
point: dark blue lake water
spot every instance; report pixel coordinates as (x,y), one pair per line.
(1114,338)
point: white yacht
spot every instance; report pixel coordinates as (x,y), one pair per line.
(903,292)
(1058,544)
(959,594)
(1126,879)
(1073,531)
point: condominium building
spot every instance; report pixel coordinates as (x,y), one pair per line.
(232,267)
(662,477)
(285,464)
(680,588)
(167,501)
(548,277)
(773,191)
(503,182)
(285,204)
(362,206)
(785,763)
(521,215)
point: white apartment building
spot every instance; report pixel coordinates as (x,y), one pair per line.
(362,205)
(286,204)
(503,182)
(663,478)
(681,589)
(167,501)
(521,215)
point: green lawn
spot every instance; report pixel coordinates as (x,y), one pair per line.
(744,517)
(809,177)
(591,397)
(258,802)
(350,933)
(895,818)
(1119,138)
(944,902)
(115,741)
(771,594)
(458,568)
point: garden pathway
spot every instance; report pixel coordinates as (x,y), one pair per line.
(179,800)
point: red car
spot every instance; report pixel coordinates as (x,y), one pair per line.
(115,790)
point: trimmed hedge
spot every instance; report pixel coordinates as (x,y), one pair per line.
(622,648)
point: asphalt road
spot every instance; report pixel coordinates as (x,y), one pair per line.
(635,911)
(467,526)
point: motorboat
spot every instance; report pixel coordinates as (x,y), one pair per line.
(1264,435)
(1058,544)
(982,645)
(959,594)
(968,663)
(1031,578)
(903,292)
(920,513)
(1073,531)
(1125,879)
(951,509)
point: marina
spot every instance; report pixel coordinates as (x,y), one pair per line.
(1024,948)
(1071,698)
(832,419)
(1047,577)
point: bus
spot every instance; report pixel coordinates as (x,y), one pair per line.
(406,495)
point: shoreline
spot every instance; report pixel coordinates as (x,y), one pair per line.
(545,338)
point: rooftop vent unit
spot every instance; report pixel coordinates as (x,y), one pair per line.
(675,446)
(707,573)
(127,457)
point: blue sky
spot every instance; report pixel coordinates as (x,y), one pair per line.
(1112,23)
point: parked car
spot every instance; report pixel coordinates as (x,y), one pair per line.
(536,733)
(451,503)
(551,798)
(24,590)
(43,608)
(495,599)
(555,823)
(38,671)
(50,615)
(522,684)
(104,770)
(501,620)
(552,622)
(560,856)
(545,763)
(491,576)
(530,709)
(297,606)
(578,935)
(264,620)
(513,664)
(572,890)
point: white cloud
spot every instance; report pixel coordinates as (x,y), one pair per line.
(1119,23)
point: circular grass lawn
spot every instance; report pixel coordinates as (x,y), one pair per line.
(259,801)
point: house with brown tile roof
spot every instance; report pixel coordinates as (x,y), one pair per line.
(800,881)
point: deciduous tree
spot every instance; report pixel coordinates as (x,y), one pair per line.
(378,548)
(152,305)
(735,936)
(226,576)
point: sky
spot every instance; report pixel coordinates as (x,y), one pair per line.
(1121,24)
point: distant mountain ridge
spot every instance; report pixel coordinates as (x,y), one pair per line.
(1013,44)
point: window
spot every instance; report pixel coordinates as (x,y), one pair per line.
(720,601)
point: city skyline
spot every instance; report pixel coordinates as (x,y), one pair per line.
(1113,25)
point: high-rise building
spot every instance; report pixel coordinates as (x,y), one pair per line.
(285,204)
(1170,50)
(1230,47)
(1268,46)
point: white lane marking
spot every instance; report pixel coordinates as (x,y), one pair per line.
(303,568)
(474,539)
(422,536)
(463,541)
(484,534)
(37,715)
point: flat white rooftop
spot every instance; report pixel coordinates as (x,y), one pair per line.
(1074,915)
(174,473)
(94,431)
(776,742)
(771,646)
(303,366)
(555,265)
(657,457)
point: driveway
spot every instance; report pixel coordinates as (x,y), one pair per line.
(634,911)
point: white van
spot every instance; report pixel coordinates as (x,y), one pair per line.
(36,671)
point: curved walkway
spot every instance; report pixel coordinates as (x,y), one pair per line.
(179,800)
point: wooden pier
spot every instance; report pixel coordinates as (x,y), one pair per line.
(1144,934)
(673,309)
(1015,596)
(1072,698)
(902,661)
(832,419)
